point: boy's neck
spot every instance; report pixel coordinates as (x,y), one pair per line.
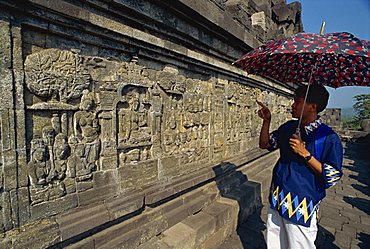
(308,119)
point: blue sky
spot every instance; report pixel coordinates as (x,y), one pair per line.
(340,15)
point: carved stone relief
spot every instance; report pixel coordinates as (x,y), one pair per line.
(48,165)
(134,125)
(57,74)
(89,114)
(64,137)
(86,139)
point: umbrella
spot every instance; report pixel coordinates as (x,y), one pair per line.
(332,59)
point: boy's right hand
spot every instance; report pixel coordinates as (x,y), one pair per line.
(264,112)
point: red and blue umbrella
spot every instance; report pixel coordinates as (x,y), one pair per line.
(332,59)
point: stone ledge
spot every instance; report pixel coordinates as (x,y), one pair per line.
(194,200)
(177,185)
(82,219)
(179,236)
(210,11)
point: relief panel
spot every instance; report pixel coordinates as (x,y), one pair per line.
(87,114)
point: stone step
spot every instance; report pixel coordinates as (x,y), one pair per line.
(260,165)
(205,229)
(201,218)
(213,224)
(264,178)
(260,171)
(139,229)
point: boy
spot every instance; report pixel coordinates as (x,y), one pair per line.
(309,163)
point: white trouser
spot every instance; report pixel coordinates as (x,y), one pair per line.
(283,234)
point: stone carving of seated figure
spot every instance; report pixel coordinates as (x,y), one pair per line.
(38,166)
(133,120)
(77,162)
(61,152)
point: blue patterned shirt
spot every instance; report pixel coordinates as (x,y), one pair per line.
(295,190)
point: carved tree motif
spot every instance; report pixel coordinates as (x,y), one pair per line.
(55,73)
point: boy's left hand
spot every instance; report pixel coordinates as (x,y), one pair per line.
(298,146)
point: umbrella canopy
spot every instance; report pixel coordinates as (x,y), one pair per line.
(333,59)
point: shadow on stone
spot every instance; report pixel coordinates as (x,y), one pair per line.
(325,239)
(251,232)
(235,185)
(364,240)
(362,189)
(360,203)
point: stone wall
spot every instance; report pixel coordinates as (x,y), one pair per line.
(116,103)
(332,117)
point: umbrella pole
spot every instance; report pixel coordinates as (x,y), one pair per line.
(322,28)
(298,130)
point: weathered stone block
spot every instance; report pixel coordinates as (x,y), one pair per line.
(6,206)
(83,186)
(24,209)
(53,207)
(216,239)
(179,236)
(139,174)
(197,204)
(120,206)
(133,238)
(160,195)
(41,234)
(154,243)
(176,215)
(108,177)
(97,194)
(220,212)
(81,220)
(233,211)
(35,37)
(70,185)
(203,225)
(171,205)
(170,166)
(84,244)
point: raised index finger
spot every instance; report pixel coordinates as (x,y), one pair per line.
(261,104)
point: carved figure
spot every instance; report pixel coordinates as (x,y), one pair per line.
(129,117)
(87,130)
(48,136)
(38,166)
(78,165)
(61,152)
(133,120)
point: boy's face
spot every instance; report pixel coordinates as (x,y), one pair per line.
(297,107)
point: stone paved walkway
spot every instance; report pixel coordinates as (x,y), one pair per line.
(344,218)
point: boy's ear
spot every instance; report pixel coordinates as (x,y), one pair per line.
(314,107)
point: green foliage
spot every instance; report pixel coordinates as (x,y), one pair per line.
(350,123)
(362,107)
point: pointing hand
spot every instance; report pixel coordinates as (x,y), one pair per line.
(264,112)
